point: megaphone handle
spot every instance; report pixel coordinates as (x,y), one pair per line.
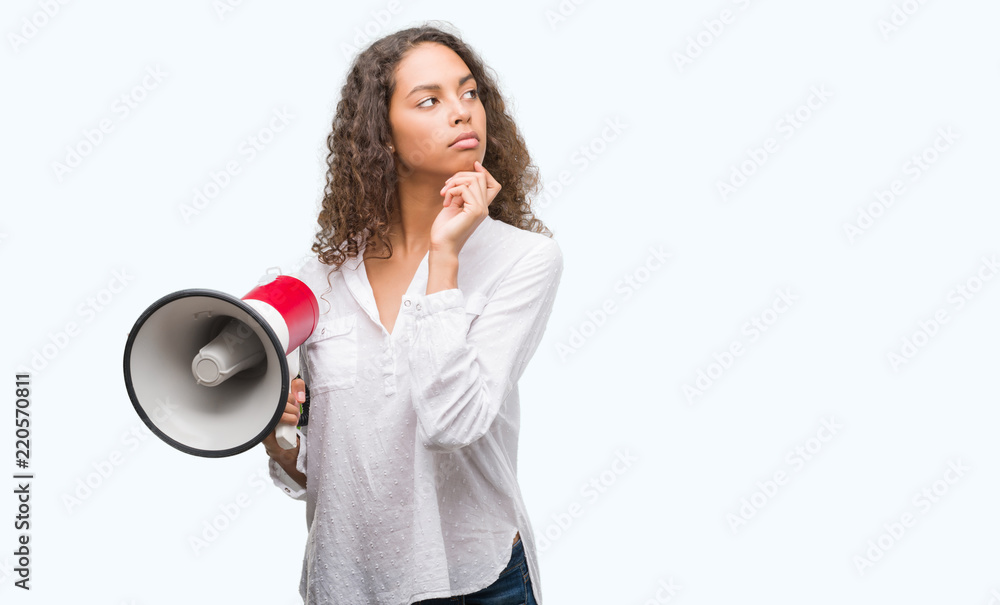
(286,436)
(285,433)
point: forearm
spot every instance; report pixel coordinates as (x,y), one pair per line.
(286,459)
(442,271)
(466,357)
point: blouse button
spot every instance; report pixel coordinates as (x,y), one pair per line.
(418,306)
(406,303)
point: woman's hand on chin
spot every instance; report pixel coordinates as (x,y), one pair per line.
(467,197)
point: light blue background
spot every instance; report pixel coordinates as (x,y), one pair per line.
(663,518)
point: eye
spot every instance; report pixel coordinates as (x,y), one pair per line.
(475,95)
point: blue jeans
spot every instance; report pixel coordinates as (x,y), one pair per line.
(513,587)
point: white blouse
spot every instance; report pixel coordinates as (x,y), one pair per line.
(411,444)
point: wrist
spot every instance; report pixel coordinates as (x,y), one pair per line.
(443,252)
(279,454)
(442,271)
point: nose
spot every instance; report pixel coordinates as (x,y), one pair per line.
(461,113)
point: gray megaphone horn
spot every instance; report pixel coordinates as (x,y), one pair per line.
(210,373)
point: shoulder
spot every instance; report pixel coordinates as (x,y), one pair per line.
(310,268)
(315,274)
(504,253)
(518,243)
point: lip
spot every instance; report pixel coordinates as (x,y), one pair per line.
(466,135)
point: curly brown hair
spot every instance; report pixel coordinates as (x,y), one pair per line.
(361,181)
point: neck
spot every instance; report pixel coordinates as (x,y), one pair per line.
(420,202)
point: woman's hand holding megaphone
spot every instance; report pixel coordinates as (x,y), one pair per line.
(286,458)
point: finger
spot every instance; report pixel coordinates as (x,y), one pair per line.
(450,183)
(456,187)
(455,195)
(483,182)
(480,173)
(491,183)
(290,415)
(465,192)
(462,176)
(480,169)
(483,172)
(449,194)
(292,405)
(299,388)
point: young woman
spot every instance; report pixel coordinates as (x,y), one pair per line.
(436,283)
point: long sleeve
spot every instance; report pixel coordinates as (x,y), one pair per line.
(462,373)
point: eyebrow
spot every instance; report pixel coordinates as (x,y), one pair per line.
(418,87)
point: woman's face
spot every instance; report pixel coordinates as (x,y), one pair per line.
(435,101)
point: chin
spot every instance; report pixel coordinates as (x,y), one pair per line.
(463,162)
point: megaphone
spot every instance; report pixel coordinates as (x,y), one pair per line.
(210,373)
